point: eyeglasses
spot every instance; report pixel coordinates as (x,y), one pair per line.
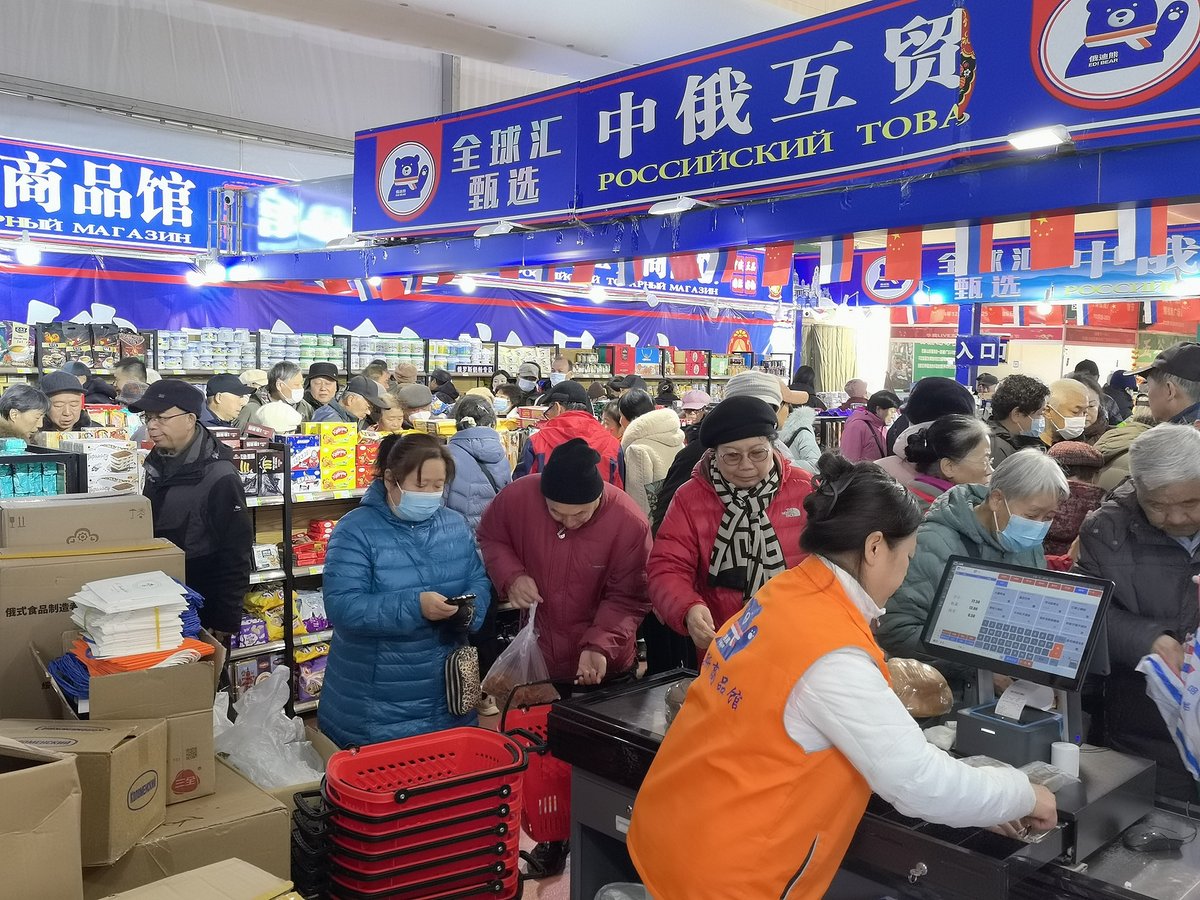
(732,458)
(154,418)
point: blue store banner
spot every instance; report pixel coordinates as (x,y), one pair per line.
(148,294)
(62,194)
(1096,275)
(882,91)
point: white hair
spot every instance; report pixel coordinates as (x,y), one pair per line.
(1027,474)
(1165,455)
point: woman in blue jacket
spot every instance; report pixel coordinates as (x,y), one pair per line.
(391,566)
(481,466)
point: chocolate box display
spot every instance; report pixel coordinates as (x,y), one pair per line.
(133,344)
(246,463)
(270,472)
(64,342)
(106,345)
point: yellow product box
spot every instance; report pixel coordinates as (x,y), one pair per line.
(336,455)
(332,433)
(340,477)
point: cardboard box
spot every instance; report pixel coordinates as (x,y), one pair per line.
(39,833)
(306,450)
(332,433)
(270,472)
(112,464)
(306,481)
(323,746)
(339,477)
(246,463)
(230,879)
(35,609)
(238,821)
(335,455)
(121,766)
(183,695)
(75,520)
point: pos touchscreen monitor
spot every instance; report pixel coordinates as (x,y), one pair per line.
(1027,623)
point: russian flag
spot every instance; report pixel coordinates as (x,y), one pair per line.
(837,260)
(1141,230)
(973,249)
(1150,312)
(724,265)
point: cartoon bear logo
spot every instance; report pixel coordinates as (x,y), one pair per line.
(1122,34)
(409,179)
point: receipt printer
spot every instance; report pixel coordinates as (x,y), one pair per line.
(983,733)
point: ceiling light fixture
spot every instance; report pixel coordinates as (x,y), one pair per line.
(1044,138)
(467,284)
(597,293)
(214,272)
(194,277)
(26,253)
(501,227)
(678,205)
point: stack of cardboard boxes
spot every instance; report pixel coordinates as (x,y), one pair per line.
(133,792)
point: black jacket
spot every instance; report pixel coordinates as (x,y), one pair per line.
(1005,443)
(677,476)
(201,508)
(99,393)
(1122,403)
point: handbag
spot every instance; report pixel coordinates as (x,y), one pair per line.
(462,680)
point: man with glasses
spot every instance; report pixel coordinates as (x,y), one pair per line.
(197,501)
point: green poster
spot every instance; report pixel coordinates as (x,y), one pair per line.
(933,359)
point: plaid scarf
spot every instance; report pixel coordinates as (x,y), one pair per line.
(746,553)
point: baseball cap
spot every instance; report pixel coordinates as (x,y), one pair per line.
(696,400)
(567,392)
(60,383)
(371,390)
(323,370)
(634,383)
(529,370)
(78,369)
(168,392)
(415,396)
(1182,361)
(227,384)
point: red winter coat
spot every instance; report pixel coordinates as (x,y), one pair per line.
(678,567)
(592,580)
(562,428)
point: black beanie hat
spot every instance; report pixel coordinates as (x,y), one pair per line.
(934,397)
(571,476)
(736,419)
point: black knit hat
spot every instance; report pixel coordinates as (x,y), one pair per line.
(736,419)
(934,397)
(571,476)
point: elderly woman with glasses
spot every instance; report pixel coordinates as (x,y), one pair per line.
(732,527)
(1003,521)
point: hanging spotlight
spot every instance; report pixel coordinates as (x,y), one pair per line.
(195,277)
(467,284)
(597,293)
(26,253)
(214,272)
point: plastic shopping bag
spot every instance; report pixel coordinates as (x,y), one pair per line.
(517,671)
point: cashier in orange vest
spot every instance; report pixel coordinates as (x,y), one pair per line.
(792,724)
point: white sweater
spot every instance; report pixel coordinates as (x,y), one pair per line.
(843,701)
(650,444)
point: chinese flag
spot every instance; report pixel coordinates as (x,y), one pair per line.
(1052,241)
(903,260)
(337,286)
(395,288)
(514,274)
(582,273)
(777,268)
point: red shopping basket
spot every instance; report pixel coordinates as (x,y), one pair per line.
(426,771)
(546,812)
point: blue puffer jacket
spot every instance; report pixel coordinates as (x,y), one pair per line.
(386,673)
(470,492)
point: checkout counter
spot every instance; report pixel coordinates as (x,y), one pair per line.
(610,738)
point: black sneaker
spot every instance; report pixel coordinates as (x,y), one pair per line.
(547,859)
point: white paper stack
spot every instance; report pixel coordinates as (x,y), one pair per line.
(131,614)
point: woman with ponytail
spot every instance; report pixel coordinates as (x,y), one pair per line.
(792,724)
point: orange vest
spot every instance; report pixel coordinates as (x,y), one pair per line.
(732,807)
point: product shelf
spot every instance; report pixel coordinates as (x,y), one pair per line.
(275,646)
(317,496)
(301,571)
(307,706)
(266,575)
(256,502)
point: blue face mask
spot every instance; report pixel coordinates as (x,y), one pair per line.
(1036,427)
(501,406)
(557,377)
(1022,534)
(526,384)
(417,506)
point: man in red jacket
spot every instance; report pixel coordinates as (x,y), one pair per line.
(569,415)
(577,547)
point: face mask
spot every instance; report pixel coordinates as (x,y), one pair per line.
(501,406)
(420,416)
(1072,426)
(295,396)
(557,377)
(1021,533)
(526,384)
(417,506)
(1036,427)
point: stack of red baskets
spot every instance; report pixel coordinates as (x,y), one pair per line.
(434,817)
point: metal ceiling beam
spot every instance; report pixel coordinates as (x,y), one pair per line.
(1017,188)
